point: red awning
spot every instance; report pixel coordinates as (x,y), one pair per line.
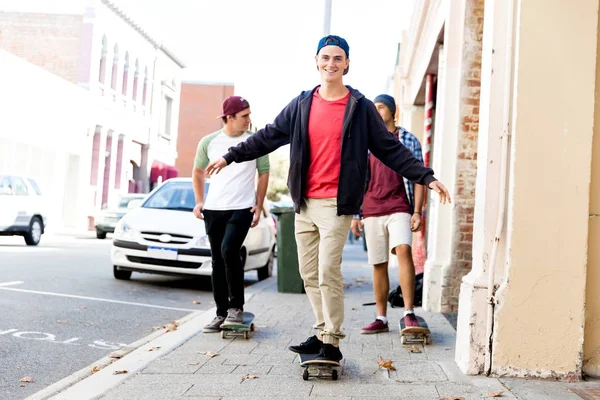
(160,169)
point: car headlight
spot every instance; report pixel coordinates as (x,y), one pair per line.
(202,242)
(124,232)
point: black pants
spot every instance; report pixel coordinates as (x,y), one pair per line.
(226,232)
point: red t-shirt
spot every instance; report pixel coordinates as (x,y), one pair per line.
(325,138)
(385,194)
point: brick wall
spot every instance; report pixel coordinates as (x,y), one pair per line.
(464,197)
(200,104)
(49,41)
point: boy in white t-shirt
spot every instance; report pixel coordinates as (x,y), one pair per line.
(233,204)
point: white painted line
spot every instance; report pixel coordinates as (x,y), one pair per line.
(96,385)
(72,296)
(81,385)
(82,374)
(11,283)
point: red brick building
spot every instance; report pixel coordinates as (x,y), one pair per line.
(200,104)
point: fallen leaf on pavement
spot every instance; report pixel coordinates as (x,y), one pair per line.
(95,369)
(414,349)
(62,321)
(248,377)
(171,327)
(195,302)
(194,364)
(21,385)
(387,364)
(495,394)
(455,398)
(210,354)
(154,348)
(123,371)
(26,379)
(115,355)
(83,307)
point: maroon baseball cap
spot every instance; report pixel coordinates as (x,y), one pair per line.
(233,105)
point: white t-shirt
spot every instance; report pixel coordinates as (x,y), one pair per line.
(234,187)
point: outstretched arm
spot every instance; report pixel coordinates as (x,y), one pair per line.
(396,156)
(260,143)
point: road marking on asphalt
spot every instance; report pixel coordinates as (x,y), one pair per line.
(51,338)
(11,283)
(72,296)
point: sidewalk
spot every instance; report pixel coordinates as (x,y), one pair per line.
(281,319)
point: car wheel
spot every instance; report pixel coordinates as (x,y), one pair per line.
(100,234)
(122,275)
(267,271)
(34,235)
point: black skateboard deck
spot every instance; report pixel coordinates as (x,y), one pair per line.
(318,368)
(410,335)
(234,330)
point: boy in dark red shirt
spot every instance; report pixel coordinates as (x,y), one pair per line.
(389,221)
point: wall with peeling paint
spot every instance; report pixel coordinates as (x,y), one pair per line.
(539,321)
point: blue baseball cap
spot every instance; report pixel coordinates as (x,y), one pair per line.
(332,40)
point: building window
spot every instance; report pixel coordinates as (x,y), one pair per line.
(167,115)
(125,74)
(145,89)
(115,67)
(102,73)
(135,80)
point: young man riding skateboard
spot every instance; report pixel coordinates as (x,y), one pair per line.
(389,219)
(233,205)
(330,129)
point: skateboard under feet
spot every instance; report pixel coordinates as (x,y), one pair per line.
(318,368)
(239,330)
(412,335)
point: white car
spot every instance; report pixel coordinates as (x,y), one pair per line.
(110,215)
(21,208)
(163,237)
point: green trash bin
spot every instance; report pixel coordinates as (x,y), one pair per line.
(288,272)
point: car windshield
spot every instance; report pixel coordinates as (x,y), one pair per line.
(174,196)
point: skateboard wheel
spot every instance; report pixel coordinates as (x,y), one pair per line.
(334,375)
(403,339)
(245,335)
(223,336)
(252,327)
(305,374)
(427,340)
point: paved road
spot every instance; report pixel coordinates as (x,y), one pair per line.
(61,309)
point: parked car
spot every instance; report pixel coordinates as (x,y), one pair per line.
(21,208)
(164,237)
(111,214)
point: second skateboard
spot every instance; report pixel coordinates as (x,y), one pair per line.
(415,334)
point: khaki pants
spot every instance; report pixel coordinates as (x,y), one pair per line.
(321,235)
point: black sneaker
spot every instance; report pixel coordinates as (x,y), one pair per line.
(311,346)
(329,353)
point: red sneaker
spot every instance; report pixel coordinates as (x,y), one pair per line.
(410,321)
(375,327)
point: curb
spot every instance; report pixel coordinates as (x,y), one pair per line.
(83,385)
